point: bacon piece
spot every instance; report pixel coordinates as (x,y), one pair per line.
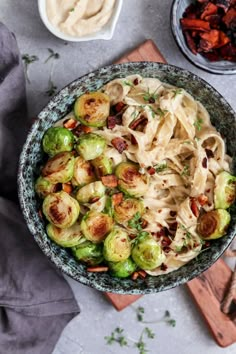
(86,129)
(67,187)
(228,52)
(212,56)
(133,140)
(202,199)
(120,144)
(190,42)
(111,122)
(230,18)
(142,273)
(109,181)
(194,207)
(135,275)
(151,171)
(210,9)
(214,20)
(191,11)
(117,198)
(70,123)
(119,106)
(97,269)
(141,122)
(195,25)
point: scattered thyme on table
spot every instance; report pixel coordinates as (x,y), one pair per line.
(118,336)
(28,59)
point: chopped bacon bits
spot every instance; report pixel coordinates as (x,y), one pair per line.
(165,241)
(136,82)
(194,207)
(111,122)
(119,106)
(135,276)
(97,269)
(117,198)
(151,170)
(86,129)
(204,162)
(142,274)
(139,124)
(173,213)
(94,200)
(120,144)
(164,267)
(209,29)
(202,199)
(67,187)
(109,181)
(209,153)
(133,140)
(70,123)
(144,223)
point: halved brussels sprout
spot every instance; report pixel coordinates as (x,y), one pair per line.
(224,192)
(68,237)
(90,146)
(147,253)
(213,224)
(92,109)
(60,168)
(88,252)
(126,210)
(102,165)
(57,139)
(83,172)
(122,269)
(43,187)
(90,191)
(130,181)
(95,226)
(117,246)
(61,209)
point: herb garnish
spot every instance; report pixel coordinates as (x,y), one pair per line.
(176,92)
(128,83)
(198,123)
(161,167)
(51,88)
(150,97)
(135,222)
(28,59)
(188,234)
(117,337)
(185,171)
(73,9)
(141,345)
(158,111)
(52,55)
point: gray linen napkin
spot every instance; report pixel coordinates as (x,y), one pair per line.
(35,300)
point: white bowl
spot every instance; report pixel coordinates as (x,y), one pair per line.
(105,33)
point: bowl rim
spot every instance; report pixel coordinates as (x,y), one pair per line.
(186,51)
(25,209)
(106,32)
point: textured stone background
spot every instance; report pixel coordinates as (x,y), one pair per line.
(138,21)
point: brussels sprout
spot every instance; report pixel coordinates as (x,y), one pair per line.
(83,172)
(88,252)
(43,187)
(224,192)
(213,224)
(146,253)
(95,226)
(117,246)
(122,269)
(130,181)
(90,146)
(92,109)
(61,209)
(126,210)
(59,169)
(68,237)
(90,191)
(57,139)
(102,165)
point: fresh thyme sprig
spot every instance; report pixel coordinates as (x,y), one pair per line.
(52,55)
(28,59)
(117,336)
(128,83)
(176,92)
(135,222)
(198,123)
(52,88)
(185,171)
(141,345)
(161,167)
(150,97)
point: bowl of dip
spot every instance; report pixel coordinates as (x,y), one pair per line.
(83,20)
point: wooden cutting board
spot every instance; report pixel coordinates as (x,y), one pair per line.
(209,288)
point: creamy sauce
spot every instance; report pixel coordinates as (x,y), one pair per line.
(78,18)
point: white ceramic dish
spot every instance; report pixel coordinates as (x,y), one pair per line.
(105,33)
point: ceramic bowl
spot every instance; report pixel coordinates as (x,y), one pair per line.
(218,67)
(105,33)
(222,116)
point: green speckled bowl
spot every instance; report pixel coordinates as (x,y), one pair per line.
(222,116)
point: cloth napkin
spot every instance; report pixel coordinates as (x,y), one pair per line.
(35,300)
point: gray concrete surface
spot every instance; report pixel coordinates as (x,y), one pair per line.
(138,21)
